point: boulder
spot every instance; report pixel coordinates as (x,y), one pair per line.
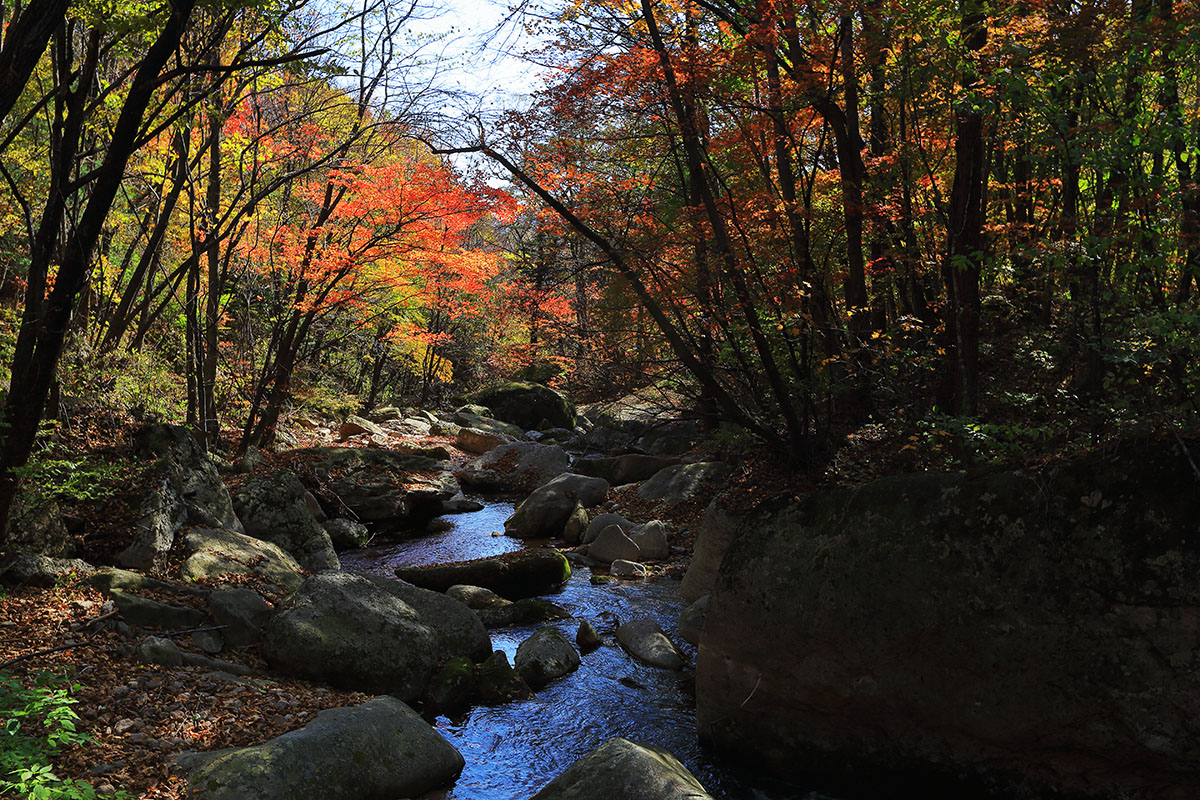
(627,569)
(498,682)
(242,613)
(522,612)
(476,597)
(461,505)
(182,486)
(683,481)
(619,470)
(546,511)
(643,639)
(346,534)
(612,545)
(27,569)
(273,508)
(109,579)
(713,536)
(384,414)
(459,630)
(528,405)
(602,521)
(380,749)
(651,539)
(474,440)
(36,526)
(487,425)
(347,631)
(587,638)
(673,438)
(1034,630)
(142,612)
(524,573)
(576,525)
(218,553)
(516,466)
(376,485)
(157,650)
(355,426)
(691,621)
(452,688)
(547,654)
(622,770)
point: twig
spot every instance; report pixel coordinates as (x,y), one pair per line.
(169,634)
(47,651)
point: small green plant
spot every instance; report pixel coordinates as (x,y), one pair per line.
(58,473)
(38,721)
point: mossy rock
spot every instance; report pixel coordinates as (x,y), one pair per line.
(528,405)
(522,612)
(525,573)
(452,688)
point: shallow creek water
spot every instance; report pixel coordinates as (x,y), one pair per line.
(513,750)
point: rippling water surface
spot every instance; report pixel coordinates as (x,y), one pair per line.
(515,749)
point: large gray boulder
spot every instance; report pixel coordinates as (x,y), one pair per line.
(628,468)
(217,554)
(474,440)
(682,482)
(273,508)
(183,487)
(516,466)
(459,629)
(547,654)
(241,613)
(375,485)
(716,531)
(347,631)
(528,405)
(370,634)
(546,511)
(652,540)
(602,521)
(380,750)
(28,569)
(1034,629)
(469,417)
(355,426)
(623,770)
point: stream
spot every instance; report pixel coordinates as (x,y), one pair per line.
(513,750)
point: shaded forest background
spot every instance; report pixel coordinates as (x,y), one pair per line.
(931,234)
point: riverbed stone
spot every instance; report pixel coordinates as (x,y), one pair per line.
(461,505)
(380,749)
(343,629)
(546,511)
(547,654)
(458,629)
(476,440)
(652,540)
(161,651)
(476,597)
(515,466)
(613,545)
(621,769)
(587,638)
(498,682)
(273,507)
(142,612)
(576,525)
(346,534)
(216,554)
(452,688)
(644,639)
(621,568)
(522,612)
(27,569)
(602,521)
(516,575)
(1034,629)
(488,425)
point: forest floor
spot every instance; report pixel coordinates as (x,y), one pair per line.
(140,716)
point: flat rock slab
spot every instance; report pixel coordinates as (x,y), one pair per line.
(220,553)
(643,639)
(516,466)
(380,750)
(525,573)
(623,770)
(683,481)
